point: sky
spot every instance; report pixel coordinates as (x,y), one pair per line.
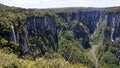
(60,3)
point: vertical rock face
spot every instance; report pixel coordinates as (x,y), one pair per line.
(113,21)
(80,32)
(109,17)
(19,39)
(43,27)
(116,26)
(89,19)
(113,33)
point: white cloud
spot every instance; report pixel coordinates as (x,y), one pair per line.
(46,0)
(60,3)
(22,3)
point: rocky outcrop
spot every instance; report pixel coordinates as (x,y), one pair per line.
(113,21)
(20,38)
(115,49)
(44,28)
(112,31)
(116,26)
(89,18)
(79,32)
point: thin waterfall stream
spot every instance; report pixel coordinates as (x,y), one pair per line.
(14,35)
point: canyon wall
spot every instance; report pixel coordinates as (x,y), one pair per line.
(45,28)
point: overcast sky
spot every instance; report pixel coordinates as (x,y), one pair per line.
(60,3)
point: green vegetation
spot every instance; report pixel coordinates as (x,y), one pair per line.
(109,60)
(70,53)
(89,54)
(112,9)
(97,37)
(11,61)
(106,55)
(71,48)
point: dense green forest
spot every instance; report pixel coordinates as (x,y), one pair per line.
(57,39)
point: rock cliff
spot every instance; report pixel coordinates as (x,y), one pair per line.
(46,28)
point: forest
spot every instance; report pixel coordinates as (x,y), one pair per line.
(59,38)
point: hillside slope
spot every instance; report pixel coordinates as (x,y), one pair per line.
(62,33)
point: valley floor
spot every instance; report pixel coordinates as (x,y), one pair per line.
(92,50)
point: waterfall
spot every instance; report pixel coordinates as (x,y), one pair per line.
(113,28)
(25,46)
(14,35)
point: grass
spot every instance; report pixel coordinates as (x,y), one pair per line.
(89,54)
(11,61)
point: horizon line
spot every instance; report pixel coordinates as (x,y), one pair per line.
(64,7)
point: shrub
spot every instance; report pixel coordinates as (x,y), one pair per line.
(11,61)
